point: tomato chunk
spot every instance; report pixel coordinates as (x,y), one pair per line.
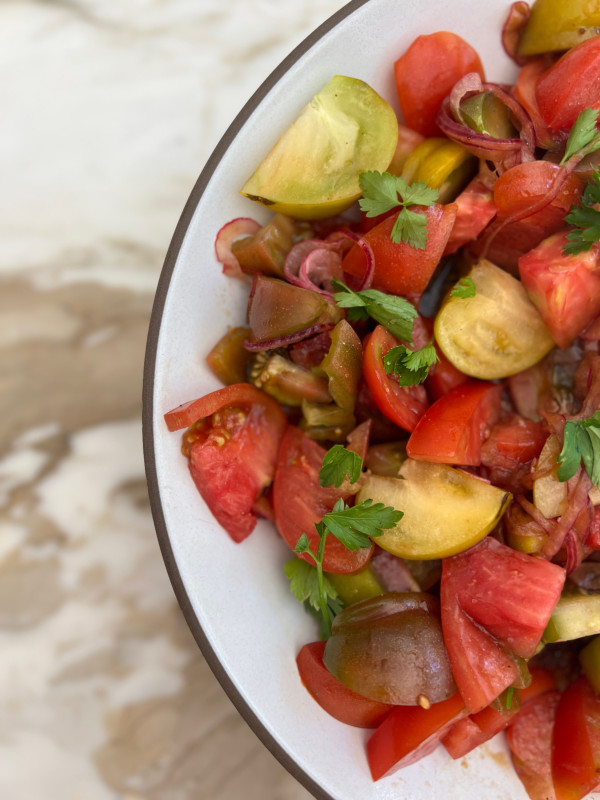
(530,740)
(469,733)
(299,501)
(399,268)
(335,698)
(475,210)
(410,733)
(426,73)
(452,429)
(495,601)
(404,405)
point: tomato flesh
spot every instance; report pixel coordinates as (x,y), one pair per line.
(475,210)
(530,741)
(469,733)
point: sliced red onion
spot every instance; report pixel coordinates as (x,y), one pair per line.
(312,264)
(289,338)
(512,30)
(367,278)
(239,228)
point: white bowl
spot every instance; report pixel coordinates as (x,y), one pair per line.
(236,598)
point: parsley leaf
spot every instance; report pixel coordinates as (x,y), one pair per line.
(304,583)
(464,288)
(383,192)
(394,313)
(586,220)
(410,366)
(584,135)
(581,443)
(338,464)
(353,526)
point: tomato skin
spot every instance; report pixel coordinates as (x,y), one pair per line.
(426,73)
(399,268)
(530,741)
(564,289)
(335,698)
(299,501)
(410,733)
(570,86)
(404,405)
(452,429)
(475,210)
(524,92)
(524,184)
(494,600)
(510,448)
(574,770)
(469,733)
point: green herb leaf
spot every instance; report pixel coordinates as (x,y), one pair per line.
(383,192)
(339,464)
(581,443)
(410,366)
(584,135)
(353,526)
(586,220)
(394,313)
(304,582)
(464,288)
(303,546)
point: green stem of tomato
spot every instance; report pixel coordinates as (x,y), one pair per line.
(322,596)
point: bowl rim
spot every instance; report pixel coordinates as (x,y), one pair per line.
(164,282)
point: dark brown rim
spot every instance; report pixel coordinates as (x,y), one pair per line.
(148,400)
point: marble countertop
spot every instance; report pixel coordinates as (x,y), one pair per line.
(110,110)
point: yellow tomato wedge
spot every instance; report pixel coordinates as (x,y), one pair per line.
(441,164)
(445,510)
(497,332)
(559,25)
(312,171)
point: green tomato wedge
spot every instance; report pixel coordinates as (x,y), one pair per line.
(445,510)
(496,333)
(575,616)
(312,171)
(558,25)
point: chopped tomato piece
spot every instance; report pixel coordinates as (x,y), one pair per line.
(570,86)
(524,92)
(404,405)
(399,268)
(452,429)
(469,733)
(335,698)
(509,450)
(542,681)
(475,210)
(530,740)
(426,73)
(565,289)
(410,733)
(299,501)
(495,601)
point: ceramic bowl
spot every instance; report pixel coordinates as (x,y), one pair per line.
(236,598)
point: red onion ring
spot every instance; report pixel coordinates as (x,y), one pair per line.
(364,245)
(289,338)
(239,228)
(312,264)
(512,29)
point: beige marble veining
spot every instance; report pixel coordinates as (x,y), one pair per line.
(110,110)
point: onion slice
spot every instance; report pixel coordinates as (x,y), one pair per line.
(239,228)
(289,338)
(312,264)
(364,245)
(512,29)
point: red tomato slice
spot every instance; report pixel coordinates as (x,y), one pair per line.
(524,92)
(232,450)
(542,681)
(452,429)
(564,289)
(494,600)
(469,733)
(570,86)
(335,698)
(513,441)
(299,501)
(410,733)
(530,741)
(426,73)
(574,767)
(475,210)
(399,268)
(404,405)
(517,189)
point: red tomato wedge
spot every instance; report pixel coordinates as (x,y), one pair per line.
(494,601)
(524,92)
(530,741)
(542,681)
(410,733)
(469,733)
(335,698)
(513,441)
(426,73)
(570,86)
(299,501)
(520,187)
(404,405)
(574,762)
(564,289)
(232,451)
(475,209)
(452,429)
(400,268)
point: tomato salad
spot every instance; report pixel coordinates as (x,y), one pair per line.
(415,398)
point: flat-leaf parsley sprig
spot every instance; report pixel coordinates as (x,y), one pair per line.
(393,312)
(339,464)
(411,367)
(584,137)
(383,192)
(585,219)
(581,443)
(464,288)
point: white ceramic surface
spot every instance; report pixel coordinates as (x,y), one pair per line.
(238,593)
